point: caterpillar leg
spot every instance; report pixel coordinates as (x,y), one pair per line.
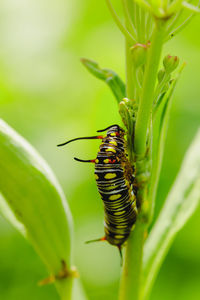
(97,240)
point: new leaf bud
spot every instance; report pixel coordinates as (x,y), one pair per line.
(170,63)
(139,53)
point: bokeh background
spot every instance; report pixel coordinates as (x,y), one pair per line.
(48,97)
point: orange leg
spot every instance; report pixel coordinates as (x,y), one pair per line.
(97,240)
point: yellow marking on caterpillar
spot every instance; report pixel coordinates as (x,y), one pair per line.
(113,134)
(110,150)
(96,176)
(108,188)
(106,161)
(113,142)
(117,236)
(96,161)
(115,197)
(121,226)
(119,212)
(115,206)
(110,175)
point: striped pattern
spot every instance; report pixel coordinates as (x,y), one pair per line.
(114,177)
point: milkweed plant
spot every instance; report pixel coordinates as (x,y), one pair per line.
(27,183)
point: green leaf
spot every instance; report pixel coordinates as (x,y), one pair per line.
(33,201)
(115,83)
(180,204)
(93,68)
(119,24)
(7,213)
(182,18)
(190,7)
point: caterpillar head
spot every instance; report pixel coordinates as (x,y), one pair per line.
(116,130)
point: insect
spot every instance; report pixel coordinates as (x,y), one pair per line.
(115,181)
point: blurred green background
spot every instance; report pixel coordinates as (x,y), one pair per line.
(48,97)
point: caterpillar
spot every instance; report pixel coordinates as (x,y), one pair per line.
(115,181)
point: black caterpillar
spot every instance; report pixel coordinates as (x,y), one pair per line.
(115,181)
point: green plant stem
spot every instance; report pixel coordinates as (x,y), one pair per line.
(131,274)
(121,27)
(130,287)
(145,105)
(130,84)
(128,17)
(130,90)
(180,27)
(159,153)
